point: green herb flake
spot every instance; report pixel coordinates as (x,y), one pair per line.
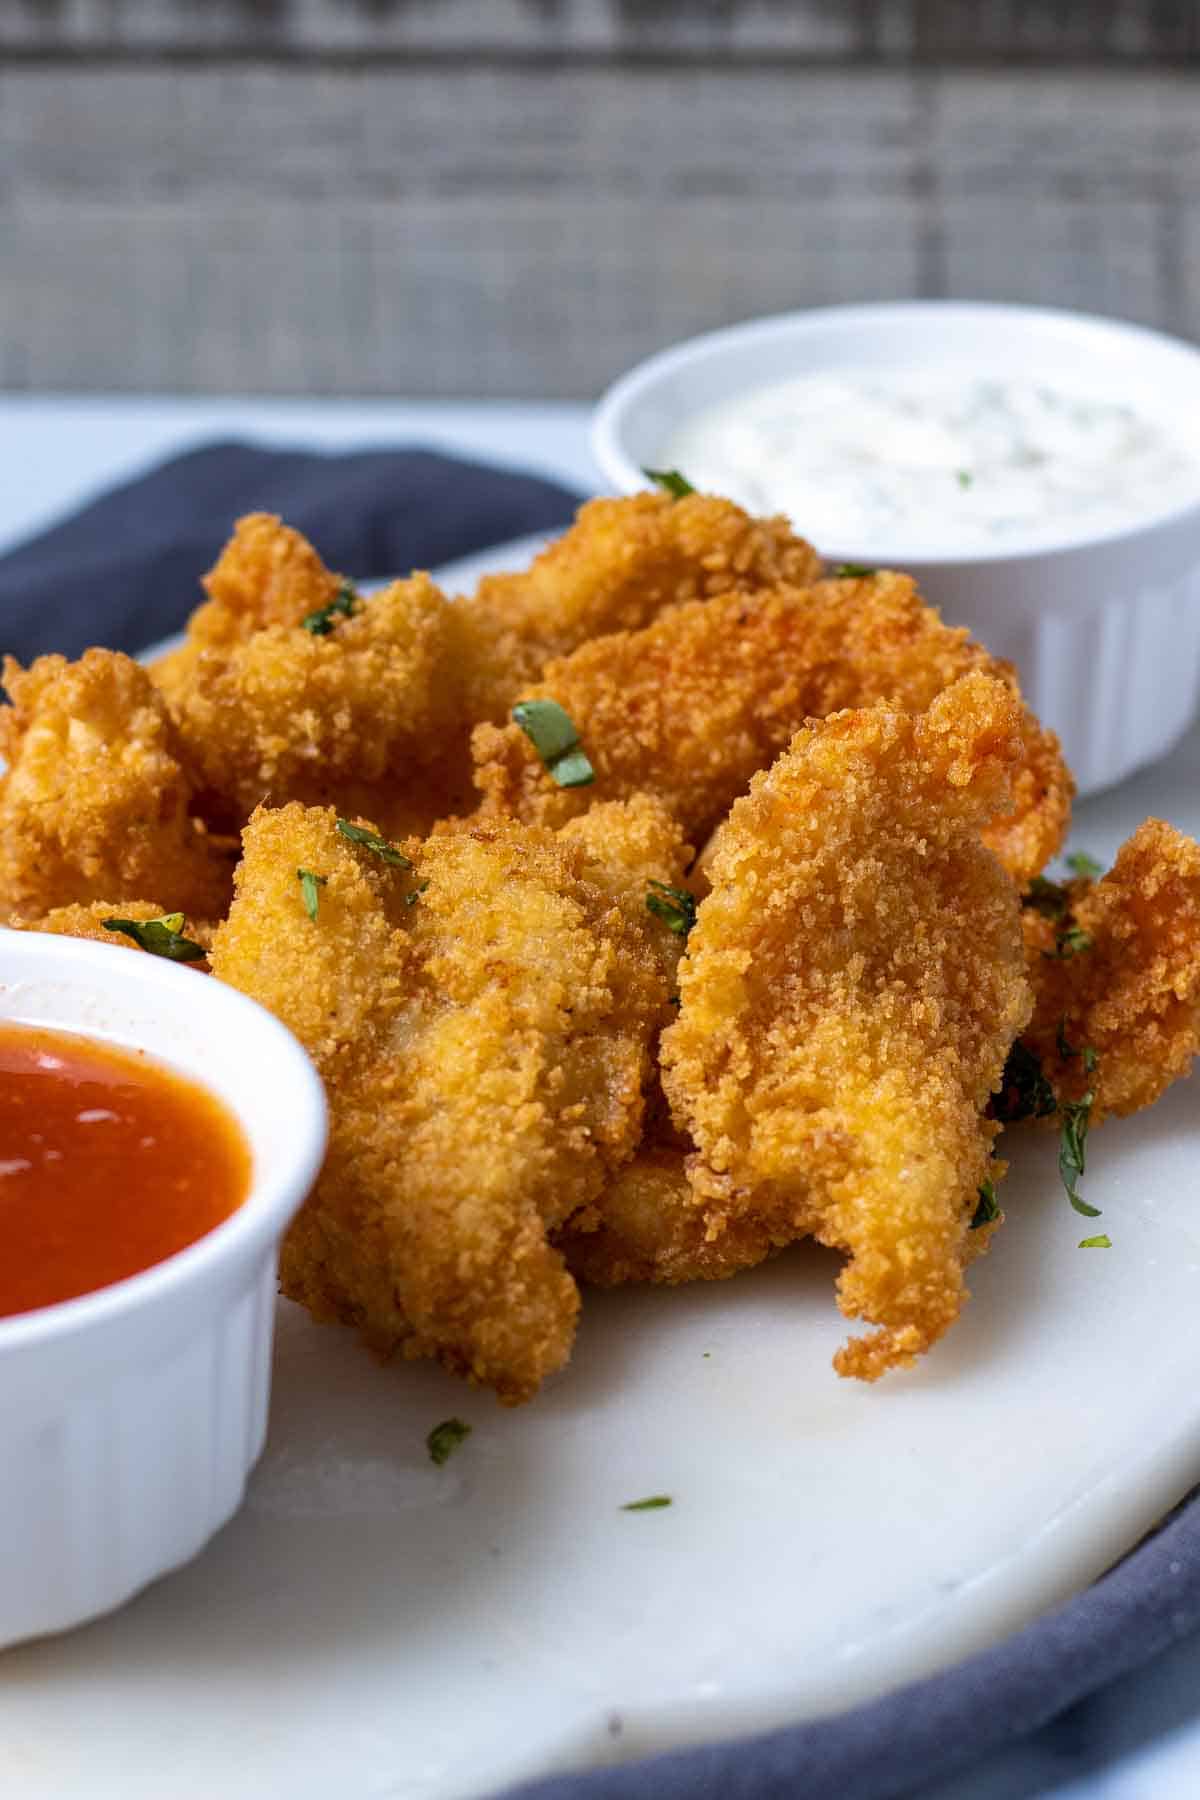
(342,606)
(963,477)
(445,1439)
(411,899)
(671,482)
(371,840)
(988,1210)
(1072,1148)
(1085,866)
(1046,897)
(1062,1043)
(554,737)
(652,1503)
(161,937)
(310,886)
(1074,941)
(1102,1242)
(852,571)
(674,906)
(1024,1091)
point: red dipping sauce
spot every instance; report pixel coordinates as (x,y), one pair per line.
(109,1163)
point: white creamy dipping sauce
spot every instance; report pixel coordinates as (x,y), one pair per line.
(935,458)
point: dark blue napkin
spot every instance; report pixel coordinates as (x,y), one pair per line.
(125,571)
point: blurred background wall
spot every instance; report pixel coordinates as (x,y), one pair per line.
(522,197)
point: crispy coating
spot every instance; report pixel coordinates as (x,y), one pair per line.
(1133,995)
(627,845)
(96,800)
(693,705)
(267,574)
(367,715)
(485,1050)
(88,922)
(621,563)
(647,1227)
(852,986)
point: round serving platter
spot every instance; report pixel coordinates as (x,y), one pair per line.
(373,1625)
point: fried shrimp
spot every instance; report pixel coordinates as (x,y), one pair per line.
(1115,969)
(709,693)
(96,800)
(851,989)
(267,574)
(483,1016)
(618,567)
(365,712)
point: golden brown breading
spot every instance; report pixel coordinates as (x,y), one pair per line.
(647,1226)
(485,1049)
(851,989)
(1133,994)
(96,799)
(88,922)
(267,574)
(620,564)
(693,705)
(627,845)
(368,715)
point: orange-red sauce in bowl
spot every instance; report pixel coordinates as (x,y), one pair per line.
(109,1163)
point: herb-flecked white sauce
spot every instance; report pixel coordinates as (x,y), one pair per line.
(939,459)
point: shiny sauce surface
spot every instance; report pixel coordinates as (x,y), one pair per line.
(109,1163)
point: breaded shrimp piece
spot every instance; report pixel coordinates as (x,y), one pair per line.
(621,563)
(709,693)
(267,574)
(88,922)
(851,989)
(1129,987)
(632,848)
(647,1227)
(483,1021)
(366,714)
(96,800)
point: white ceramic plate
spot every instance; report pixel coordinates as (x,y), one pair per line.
(370,1625)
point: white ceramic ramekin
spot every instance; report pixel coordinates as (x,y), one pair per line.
(1104,627)
(130,1418)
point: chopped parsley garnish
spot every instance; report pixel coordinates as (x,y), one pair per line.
(1064,1047)
(1102,1242)
(445,1439)
(1046,897)
(554,737)
(1024,1091)
(411,899)
(964,477)
(1071,942)
(988,1211)
(161,937)
(671,482)
(310,885)
(674,906)
(852,571)
(1072,1147)
(651,1503)
(1085,866)
(371,840)
(322,622)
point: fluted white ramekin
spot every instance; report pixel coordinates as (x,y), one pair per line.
(1104,625)
(130,1418)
